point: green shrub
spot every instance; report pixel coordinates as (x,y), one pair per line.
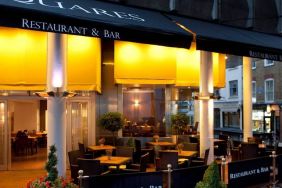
(211,178)
(112,121)
(179,123)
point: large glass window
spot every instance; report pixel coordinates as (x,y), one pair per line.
(231,119)
(269,90)
(144,110)
(233,88)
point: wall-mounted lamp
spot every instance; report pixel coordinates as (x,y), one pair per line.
(208,97)
(56,93)
(136,103)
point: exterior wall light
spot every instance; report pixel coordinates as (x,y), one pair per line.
(57,93)
(208,97)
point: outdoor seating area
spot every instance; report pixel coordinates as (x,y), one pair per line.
(150,155)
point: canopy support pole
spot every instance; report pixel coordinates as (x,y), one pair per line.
(56,113)
(247,98)
(206,105)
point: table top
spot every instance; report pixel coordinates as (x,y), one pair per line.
(161,143)
(101,147)
(114,160)
(184,153)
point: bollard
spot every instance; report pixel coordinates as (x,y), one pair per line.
(81,177)
(274,182)
(169,170)
(224,171)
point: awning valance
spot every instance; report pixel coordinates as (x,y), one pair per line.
(93,18)
(231,40)
(137,63)
(23,56)
(84,63)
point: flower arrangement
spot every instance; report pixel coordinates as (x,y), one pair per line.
(101,141)
(51,180)
(180,147)
(156,138)
(42,182)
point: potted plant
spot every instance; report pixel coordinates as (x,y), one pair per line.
(179,123)
(112,121)
(211,178)
(52,180)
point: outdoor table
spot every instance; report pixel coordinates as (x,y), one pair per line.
(101,147)
(184,153)
(113,160)
(161,144)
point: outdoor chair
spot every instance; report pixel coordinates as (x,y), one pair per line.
(169,157)
(90,167)
(123,151)
(248,150)
(85,154)
(73,157)
(140,167)
(190,146)
(197,161)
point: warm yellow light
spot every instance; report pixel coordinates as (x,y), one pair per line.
(129,52)
(84,63)
(219,70)
(188,67)
(137,63)
(136,103)
(23,55)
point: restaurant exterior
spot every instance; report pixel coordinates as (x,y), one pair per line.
(116,58)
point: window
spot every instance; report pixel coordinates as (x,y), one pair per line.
(233,88)
(254,91)
(144,110)
(268,62)
(231,119)
(269,90)
(254,64)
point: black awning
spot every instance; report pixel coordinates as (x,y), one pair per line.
(231,40)
(93,18)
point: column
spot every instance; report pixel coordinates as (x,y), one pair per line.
(56,116)
(247,98)
(206,105)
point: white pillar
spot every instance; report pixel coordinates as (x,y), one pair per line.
(56,119)
(206,106)
(247,98)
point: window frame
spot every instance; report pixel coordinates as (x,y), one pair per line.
(237,92)
(267,62)
(266,92)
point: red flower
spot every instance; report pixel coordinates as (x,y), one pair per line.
(48,184)
(28,184)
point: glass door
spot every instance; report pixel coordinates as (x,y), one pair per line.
(77,124)
(3,136)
